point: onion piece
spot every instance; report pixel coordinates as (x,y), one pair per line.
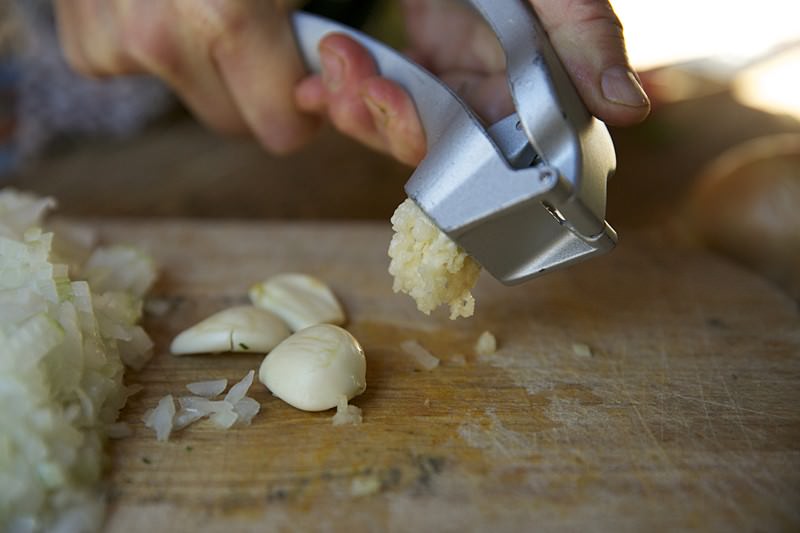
(486,344)
(422,357)
(581,350)
(161,418)
(239,390)
(208,389)
(246,409)
(185,417)
(225,417)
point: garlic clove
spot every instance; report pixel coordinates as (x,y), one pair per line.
(239,329)
(299,299)
(314,367)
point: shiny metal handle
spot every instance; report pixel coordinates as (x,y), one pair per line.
(547,104)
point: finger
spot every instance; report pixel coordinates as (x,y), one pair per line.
(588,37)
(487,94)
(89,36)
(395,117)
(449,35)
(180,55)
(345,66)
(256,53)
(69,31)
(309,95)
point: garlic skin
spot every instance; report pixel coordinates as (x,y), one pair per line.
(315,367)
(299,299)
(239,329)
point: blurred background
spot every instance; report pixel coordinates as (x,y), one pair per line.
(720,74)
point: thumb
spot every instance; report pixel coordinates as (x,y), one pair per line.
(588,38)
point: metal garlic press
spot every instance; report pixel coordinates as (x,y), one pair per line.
(526,195)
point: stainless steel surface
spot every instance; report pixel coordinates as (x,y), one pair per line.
(478,185)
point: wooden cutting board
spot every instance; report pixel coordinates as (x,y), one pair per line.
(686,415)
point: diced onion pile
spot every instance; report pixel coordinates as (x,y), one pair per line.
(63,342)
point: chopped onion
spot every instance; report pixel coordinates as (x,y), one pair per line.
(197,403)
(581,350)
(236,408)
(120,268)
(364,486)
(160,419)
(246,409)
(20,211)
(239,390)
(61,344)
(225,417)
(208,389)
(486,344)
(136,351)
(422,357)
(185,417)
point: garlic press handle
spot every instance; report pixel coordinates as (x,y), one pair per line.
(555,120)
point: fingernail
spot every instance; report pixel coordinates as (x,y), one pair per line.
(332,69)
(619,85)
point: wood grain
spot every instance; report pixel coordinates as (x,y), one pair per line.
(685,417)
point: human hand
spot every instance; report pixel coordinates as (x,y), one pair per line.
(233,62)
(452,41)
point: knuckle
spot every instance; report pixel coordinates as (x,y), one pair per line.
(232,17)
(151,44)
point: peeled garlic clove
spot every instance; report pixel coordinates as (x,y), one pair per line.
(239,329)
(299,299)
(314,367)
